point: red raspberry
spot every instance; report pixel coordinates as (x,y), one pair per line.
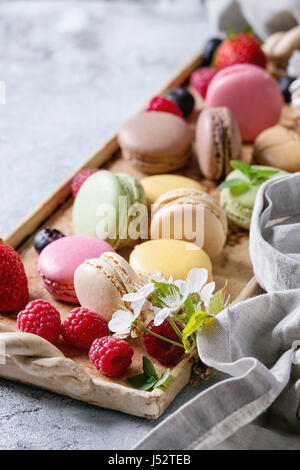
(164,352)
(80,179)
(82,327)
(201,79)
(40,318)
(13,281)
(111,355)
(161,103)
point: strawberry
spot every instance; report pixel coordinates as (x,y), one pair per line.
(240,49)
(13,281)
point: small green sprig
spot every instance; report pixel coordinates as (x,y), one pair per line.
(254,177)
(149,379)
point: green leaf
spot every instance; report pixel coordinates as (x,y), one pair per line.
(240,188)
(217,301)
(149,380)
(249,30)
(265,173)
(189,309)
(242,166)
(163,378)
(197,320)
(141,382)
(149,368)
(231,183)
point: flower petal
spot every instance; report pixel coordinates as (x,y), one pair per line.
(121,321)
(132,297)
(196,279)
(207,292)
(161,316)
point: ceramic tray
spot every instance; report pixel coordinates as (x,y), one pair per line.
(66,370)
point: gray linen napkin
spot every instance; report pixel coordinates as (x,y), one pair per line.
(255,343)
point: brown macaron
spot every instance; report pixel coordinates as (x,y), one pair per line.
(218,141)
(156,142)
(278,147)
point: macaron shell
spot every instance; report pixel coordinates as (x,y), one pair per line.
(156,185)
(203,214)
(122,270)
(59,260)
(251,93)
(95,290)
(99,189)
(218,141)
(172,257)
(156,142)
(278,147)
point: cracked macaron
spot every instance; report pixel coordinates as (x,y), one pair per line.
(100,283)
(156,142)
(218,141)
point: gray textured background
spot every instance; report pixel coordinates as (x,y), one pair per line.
(74,71)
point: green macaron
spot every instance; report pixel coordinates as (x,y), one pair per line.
(238,201)
(102,204)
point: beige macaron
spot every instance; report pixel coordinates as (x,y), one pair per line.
(280,46)
(190,215)
(278,147)
(156,142)
(101,283)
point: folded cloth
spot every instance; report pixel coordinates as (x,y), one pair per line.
(255,342)
(265,17)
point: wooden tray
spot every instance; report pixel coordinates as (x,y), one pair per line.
(32,360)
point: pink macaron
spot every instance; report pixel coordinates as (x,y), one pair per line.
(59,260)
(251,93)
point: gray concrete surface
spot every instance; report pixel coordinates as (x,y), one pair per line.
(74,71)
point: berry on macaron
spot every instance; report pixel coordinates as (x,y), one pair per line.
(82,327)
(14,293)
(40,318)
(164,104)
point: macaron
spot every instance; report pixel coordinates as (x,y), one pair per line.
(280,46)
(100,283)
(59,260)
(101,207)
(239,206)
(156,142)
(218,141)
(278,147)
(171,257)
(156,185)
(191,215)
(253,96)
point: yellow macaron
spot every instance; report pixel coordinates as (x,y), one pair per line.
(156,185)
(172,257)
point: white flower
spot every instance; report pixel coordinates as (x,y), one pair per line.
(293,69)
(173,302)
(138,299)
(121,323)
(196,284)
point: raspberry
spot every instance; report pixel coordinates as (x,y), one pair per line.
(80,179)
(164,352)
(13,281)
(161,103)
(40,318)
(82,327)
(201,79)
(111,355)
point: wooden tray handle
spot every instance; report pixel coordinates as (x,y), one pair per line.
(37,357)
